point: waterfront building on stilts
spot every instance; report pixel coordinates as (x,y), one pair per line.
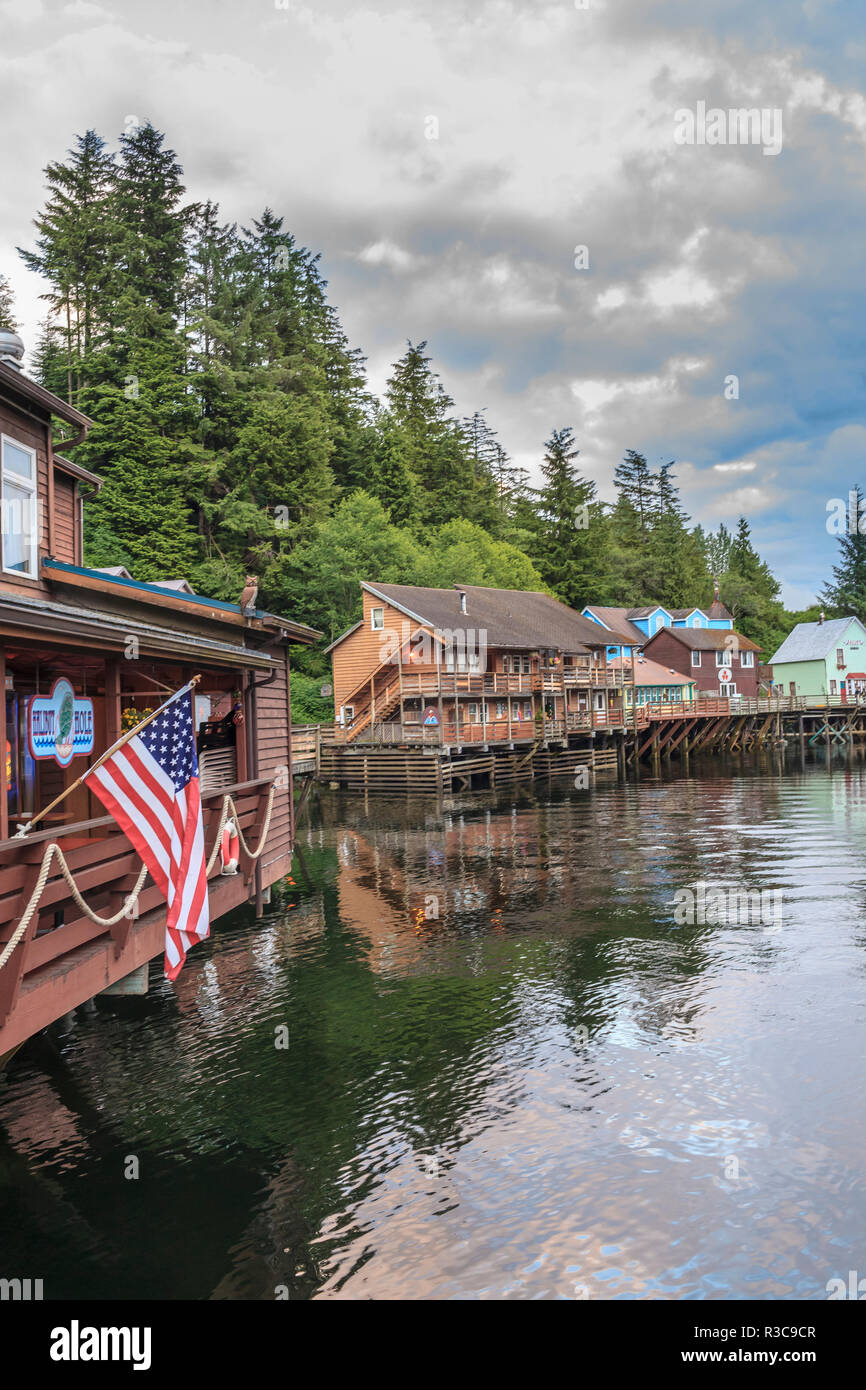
(85,655)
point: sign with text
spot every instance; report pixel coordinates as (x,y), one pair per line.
(60,725)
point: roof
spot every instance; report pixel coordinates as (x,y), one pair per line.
(104,631)
(182,586)
(515,618)
(648,672)
(706,638)
(16,381)
(80,576)
(645,612)
(718,610)
(75,470)
(618,618)
(813,641)
(686,612)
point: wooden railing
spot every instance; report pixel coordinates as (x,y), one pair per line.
(105,867)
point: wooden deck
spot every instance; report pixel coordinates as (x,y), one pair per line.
(64,958)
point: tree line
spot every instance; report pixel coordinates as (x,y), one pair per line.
(236,432)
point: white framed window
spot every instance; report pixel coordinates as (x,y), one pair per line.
(527,709)
(377,619)
(722,658)
(19,523)
(696,658)
(500,709)
(348,714)
(727,688)
(474,716)
(747,658)
(832,687)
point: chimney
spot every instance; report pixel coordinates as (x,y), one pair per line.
(462,594)
(11,349)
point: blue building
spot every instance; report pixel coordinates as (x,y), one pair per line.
(644,623)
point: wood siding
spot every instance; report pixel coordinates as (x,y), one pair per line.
(64,545)
(667,650)
(361,653)
(272,753)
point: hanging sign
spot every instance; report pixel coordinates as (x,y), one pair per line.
(431,715)
(60,725)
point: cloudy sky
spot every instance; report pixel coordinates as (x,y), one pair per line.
(448,157)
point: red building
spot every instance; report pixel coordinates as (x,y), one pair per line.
(720,662)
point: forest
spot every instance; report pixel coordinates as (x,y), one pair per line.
(237,434)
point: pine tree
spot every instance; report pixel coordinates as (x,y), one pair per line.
(76,250)
(675,557)
(845,593)
(569,535)
(7,306)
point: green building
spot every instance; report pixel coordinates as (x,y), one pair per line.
(823,658)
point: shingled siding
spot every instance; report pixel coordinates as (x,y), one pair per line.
(272,746)
(668,650)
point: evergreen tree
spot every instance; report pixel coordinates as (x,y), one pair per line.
(675,556)
(845,593)
(569,533)
(7,306)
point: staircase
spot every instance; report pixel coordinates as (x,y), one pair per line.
(385,699)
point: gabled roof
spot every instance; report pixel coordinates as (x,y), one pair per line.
(647,672)
(813,641)
(718,610)
(705,638)
(647,612)
(515,618)
(618,618)
(686,612)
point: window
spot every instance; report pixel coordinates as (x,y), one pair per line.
(840,657)
(377,619)
(19,529)
(832,687)
(722,658)
(747,658)
(527,709)
(696,658)
(727,688)
(473,714)
(348,714)
(500,709)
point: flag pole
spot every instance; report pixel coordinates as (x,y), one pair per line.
(25,829)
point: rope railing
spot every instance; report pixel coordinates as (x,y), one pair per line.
(130,904)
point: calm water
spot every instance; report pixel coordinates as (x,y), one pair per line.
(549,1090)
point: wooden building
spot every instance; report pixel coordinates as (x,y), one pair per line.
(83,654)
(722,662)
(472,665)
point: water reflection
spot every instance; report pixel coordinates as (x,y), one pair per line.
(508,1073)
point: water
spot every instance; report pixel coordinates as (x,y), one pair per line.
(548,1091)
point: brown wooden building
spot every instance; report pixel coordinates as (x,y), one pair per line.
(472,665)
(721,662)
(111,648)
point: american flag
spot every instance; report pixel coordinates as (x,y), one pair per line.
(150,786)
